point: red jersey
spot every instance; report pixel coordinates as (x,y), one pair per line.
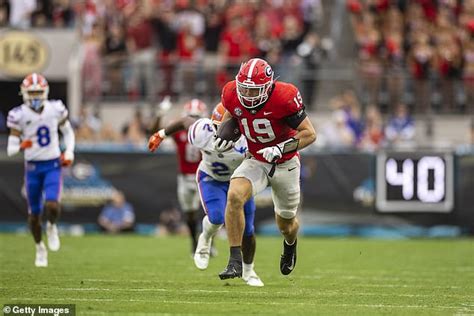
(188,155)
(267,126)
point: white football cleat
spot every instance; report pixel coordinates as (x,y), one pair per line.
(41,255)
(203,252)
(53,237)
(252,279)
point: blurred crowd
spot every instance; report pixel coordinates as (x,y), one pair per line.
(350,128)
(418,48)
(24,14)
(154,48)
(146,49)
(91,129)
(412,55)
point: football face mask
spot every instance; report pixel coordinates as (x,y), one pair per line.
(34,90)
(254,81)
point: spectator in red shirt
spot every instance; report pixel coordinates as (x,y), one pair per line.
(142,54)
(190,51)
(235,45)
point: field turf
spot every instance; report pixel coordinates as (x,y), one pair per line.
(120,275)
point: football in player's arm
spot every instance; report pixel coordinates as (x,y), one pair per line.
(34,129)
(271,116)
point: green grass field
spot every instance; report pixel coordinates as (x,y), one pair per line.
(106,275)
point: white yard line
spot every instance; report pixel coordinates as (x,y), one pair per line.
(317,277)
(408,272)
(409,286)
(325,293)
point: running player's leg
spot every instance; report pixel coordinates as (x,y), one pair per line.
(249,246)
(240,191)
(34,186)
(286,196)
(248,179)
(248,240)
(188,199)
(213,198)
(52,191)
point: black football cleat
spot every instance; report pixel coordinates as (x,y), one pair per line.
(288,258)
(233,270)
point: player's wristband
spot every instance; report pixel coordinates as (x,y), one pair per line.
(289,146)
(162,133)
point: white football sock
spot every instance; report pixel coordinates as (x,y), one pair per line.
(209,229)
(248,267)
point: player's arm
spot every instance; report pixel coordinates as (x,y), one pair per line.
(174,127)
(305,136)
(201,133)
(69,142)
(15,144)
(15,141)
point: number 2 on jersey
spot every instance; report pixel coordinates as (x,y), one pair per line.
(43,136)
(262,127)
(220,169)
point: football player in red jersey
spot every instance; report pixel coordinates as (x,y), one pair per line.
(272,117)
(189,158)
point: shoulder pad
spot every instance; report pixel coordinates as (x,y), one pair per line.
(201,132)
(14,118)
(60,108)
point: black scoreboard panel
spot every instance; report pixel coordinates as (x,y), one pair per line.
(414,182)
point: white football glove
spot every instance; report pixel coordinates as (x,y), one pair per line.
(221,145)
(271,154)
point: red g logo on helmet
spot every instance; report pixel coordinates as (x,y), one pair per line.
(269,71)
(254,80)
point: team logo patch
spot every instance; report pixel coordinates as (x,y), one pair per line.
(238,111)
(268,71)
